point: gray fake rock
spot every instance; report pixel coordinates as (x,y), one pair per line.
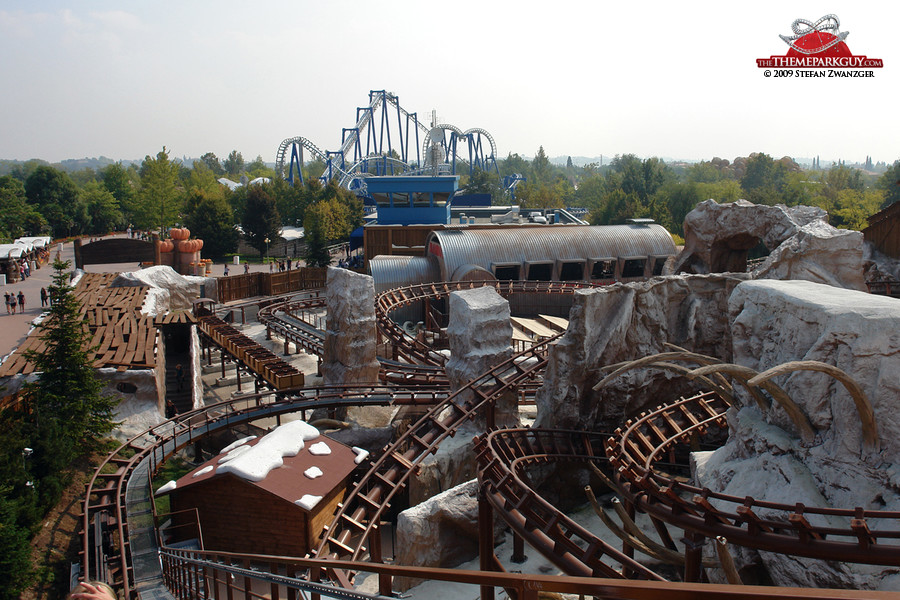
(780,321)
(451,465)
(717,237)
(350,335)
(480,337)
(624,322)
(168,291)
(820,253)
(441,532)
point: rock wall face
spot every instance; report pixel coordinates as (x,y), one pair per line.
(718,236)
(780,321)
(801,243)
(168,291)
(440,532)
(625,322)
(350,332)
(480,336)
(819,253)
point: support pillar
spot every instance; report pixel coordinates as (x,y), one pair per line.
(485,540)
(384,579)
(693,556)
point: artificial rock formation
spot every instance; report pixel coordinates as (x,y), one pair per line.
(779,321)
(801,243)
(168,291)
(623,322)
(820,253)
(350,333)
(441,532)
(480,336)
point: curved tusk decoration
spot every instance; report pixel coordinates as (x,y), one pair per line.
(863,405)
(807,433)
(742,374)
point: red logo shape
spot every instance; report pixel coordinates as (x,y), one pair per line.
(817,45)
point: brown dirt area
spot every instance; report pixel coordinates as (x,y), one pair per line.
(56,545)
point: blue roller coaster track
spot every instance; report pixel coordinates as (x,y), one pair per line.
(389,140)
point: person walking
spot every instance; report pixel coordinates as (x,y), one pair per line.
(21,301)
(43,297)
(179,376)
(226,269)
(246,268)
(6,301)
(11,304)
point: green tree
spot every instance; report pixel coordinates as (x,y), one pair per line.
(258,168)
(102,208)
(210,218)
(541,169)
(56,197)
(261,220)
(123,184)
(234,164)
(160,204)
(15,549)
(889,183)
(484,182)
(317,254)
(854,208)
(212,161)
(68,413)
(17,217)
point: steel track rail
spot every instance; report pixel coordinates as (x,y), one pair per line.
(847,535)
(363,507)
(503,459)
(105,492)
(386,303)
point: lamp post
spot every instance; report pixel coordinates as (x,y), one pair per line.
(267,248)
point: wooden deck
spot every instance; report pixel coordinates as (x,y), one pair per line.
(123,338)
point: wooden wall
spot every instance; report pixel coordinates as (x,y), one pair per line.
(884,231)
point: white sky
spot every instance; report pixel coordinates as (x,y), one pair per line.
(671,79)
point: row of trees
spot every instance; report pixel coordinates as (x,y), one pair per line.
(160,193)
(631,187)
(67,417)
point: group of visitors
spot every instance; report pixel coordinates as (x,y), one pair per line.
(12,300)
(354,262)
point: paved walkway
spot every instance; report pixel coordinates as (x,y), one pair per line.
(14,328)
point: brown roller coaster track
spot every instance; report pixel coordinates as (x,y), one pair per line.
(502,456)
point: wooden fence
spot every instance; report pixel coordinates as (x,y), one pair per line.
(251,285)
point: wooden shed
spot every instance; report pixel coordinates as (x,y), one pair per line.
(262,517)
(883,231)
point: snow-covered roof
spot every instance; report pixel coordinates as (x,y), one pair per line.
(12,250)
(281,463)
(292,233)
(40,241)
(232,185)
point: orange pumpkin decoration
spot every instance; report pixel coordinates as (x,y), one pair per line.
(166,246)
(199,245)
(177,233)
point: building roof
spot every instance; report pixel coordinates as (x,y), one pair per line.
(287,481)
(537,243)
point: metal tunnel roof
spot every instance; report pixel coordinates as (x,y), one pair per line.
(521,244)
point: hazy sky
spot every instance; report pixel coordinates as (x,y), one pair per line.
(672,79)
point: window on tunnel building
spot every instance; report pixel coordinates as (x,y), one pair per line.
(571,270)
(633,267)
(507,271)
(542,271)
(603,268)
